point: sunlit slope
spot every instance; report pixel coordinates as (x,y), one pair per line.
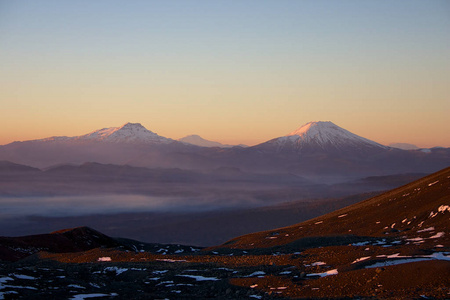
(418,212)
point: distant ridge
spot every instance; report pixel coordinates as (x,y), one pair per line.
(404,146)
(199,141)
(7,166)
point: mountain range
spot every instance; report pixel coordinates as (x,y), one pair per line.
(315,150)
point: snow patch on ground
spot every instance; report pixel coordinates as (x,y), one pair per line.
(20,276)
(171,260)
(416,240)
(257,273)
(361,243)
(430,184)
(117,270)
(396,262)
(5,279)
(426,229)
(396,255)
(360,259)
(104,259)
(437,235)
(76,286)
(408,259)
(444,208)
(200,278)
(327,273)
(85,296)
(372,243)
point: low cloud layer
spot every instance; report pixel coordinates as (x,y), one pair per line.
(110,204)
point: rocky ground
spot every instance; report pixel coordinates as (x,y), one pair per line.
(363,270)
(119,274)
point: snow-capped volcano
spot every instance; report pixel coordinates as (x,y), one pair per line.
(129,132)
(324,136)
(323,133)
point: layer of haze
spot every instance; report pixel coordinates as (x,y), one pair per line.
(232,71)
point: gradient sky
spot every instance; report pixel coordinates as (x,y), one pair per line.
(231,71)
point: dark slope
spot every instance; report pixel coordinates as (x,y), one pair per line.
(62,241)
(78,240)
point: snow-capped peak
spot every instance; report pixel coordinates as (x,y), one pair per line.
(129,132)
(325,134)
(313,128)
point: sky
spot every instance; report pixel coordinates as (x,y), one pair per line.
(230,71)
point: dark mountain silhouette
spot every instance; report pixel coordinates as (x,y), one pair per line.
(62,241)
(9,167)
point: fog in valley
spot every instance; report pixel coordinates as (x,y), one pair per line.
(170,205)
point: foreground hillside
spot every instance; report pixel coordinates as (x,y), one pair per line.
(392,246)
(414,210)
